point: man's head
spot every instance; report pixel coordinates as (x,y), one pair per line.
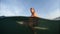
(33,13)
(32,10)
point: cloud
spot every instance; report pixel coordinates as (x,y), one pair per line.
(10,10)
(53,14)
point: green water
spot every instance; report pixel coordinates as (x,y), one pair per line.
(10,25)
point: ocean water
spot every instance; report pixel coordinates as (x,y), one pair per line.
(19,25)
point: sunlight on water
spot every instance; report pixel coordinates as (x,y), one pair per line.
(41,28)
(20,22)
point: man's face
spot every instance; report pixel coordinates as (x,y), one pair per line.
(32,10)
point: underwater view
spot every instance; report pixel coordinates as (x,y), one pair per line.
(19,25)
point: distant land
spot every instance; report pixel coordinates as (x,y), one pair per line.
(58,18)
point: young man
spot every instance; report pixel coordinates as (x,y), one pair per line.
(33,20)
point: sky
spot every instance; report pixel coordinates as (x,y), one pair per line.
(48,9)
